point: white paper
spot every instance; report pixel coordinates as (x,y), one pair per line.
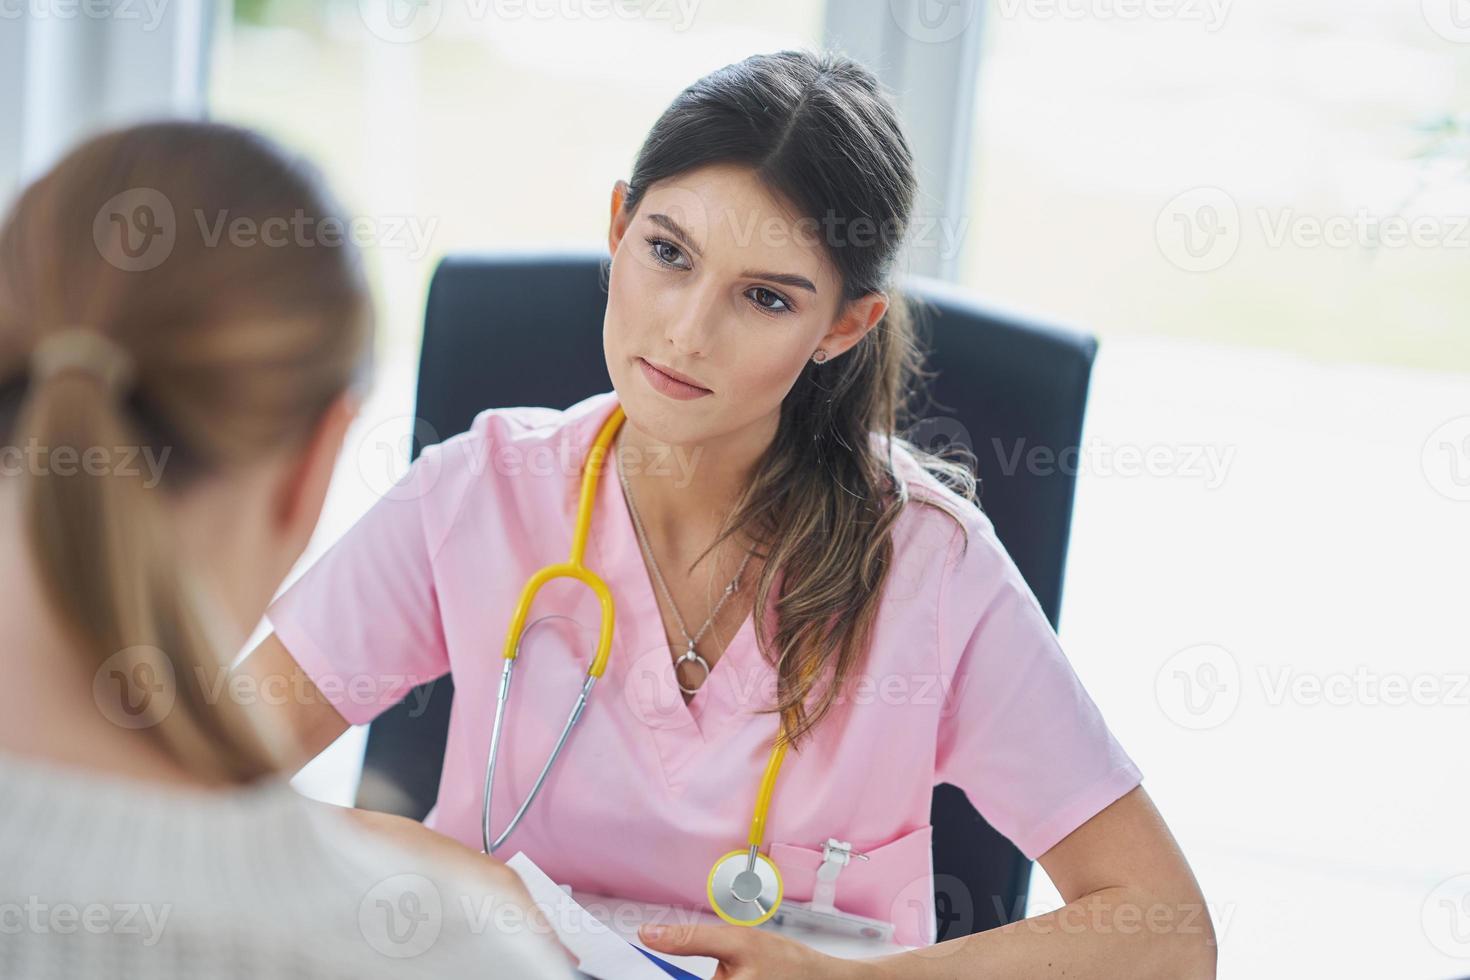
(601,952)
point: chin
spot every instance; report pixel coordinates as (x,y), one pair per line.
(660,418)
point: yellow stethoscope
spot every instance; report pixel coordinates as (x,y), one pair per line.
(744,886)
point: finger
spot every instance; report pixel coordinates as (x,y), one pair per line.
(725,943)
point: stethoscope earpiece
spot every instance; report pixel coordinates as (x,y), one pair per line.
(742,894)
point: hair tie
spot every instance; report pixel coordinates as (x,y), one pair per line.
(86,350)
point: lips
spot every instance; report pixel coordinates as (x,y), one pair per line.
(670,383)
(684,378)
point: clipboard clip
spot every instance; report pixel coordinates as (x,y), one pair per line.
(836,855)
(821,913)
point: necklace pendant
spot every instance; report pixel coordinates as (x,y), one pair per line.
(693,656)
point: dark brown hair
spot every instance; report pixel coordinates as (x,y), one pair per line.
(820,133)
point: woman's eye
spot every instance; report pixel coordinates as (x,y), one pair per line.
(666,252)
(768,299)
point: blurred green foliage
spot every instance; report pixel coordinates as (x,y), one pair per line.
(300,14)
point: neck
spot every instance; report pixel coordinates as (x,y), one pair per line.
(684,491)
(57,719)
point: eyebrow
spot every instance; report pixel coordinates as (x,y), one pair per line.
(784,278)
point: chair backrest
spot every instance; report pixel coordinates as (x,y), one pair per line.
(507,330)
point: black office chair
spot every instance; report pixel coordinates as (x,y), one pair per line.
(507,330)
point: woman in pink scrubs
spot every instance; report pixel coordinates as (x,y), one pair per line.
(757,346)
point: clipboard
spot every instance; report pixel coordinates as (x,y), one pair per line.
(602,954)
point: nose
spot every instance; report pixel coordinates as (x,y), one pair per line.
(691,329)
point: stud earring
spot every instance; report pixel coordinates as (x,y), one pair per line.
(819,356)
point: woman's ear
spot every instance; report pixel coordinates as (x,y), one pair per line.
(620,219)
(857,317)
(303,486)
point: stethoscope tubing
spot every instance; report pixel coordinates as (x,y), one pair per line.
(573,568)
(566,731)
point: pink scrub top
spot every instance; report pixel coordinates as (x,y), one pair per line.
(965,684)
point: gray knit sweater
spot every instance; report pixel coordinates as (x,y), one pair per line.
(109,877)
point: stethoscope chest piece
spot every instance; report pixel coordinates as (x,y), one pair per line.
(743,895)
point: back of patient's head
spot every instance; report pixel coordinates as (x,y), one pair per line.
(232,319)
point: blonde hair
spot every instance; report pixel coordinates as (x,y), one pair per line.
(234,348)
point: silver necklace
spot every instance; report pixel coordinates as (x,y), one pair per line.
(689,654)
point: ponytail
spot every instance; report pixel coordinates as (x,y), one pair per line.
(110,566)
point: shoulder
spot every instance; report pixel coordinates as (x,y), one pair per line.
(523,428)
(510,456)
(395,908)
(946,550)
(939,530)
(229,877)
(954,551)
(538,422)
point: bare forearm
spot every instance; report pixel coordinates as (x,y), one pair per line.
(1113,932)
(286,701)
